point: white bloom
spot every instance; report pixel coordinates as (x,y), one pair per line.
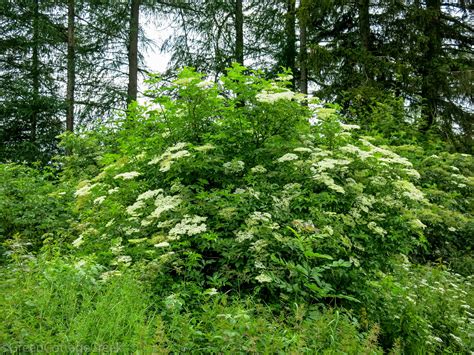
(264,278)
(205,84)
(269,97)
(376,229)
(303,150)
(164,203)
(162,245)
(243,236)
(204,148)
(452,229)
(99,200)
(110,223)
(287,157)
(409,190)
(111,191)
(258,169)
(234,166)
(417,223)
(348,127)
(128,175)
(77,243)
(189,225)
(133,209)
(211,292)
(149,194)
(124,259)
(108,274)
(130,231)
(85,190)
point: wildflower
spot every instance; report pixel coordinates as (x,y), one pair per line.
(133,209)
(149,194)
(164,203)
(269,97)
(205,84)
(452,229)
(128,175)
(303,150)
(77,242)
(417,224)
(111,191)
(258,169)
(243,236)
(99,200)
(204,148)
(234,166)
(348,127)
(211,292)
(108,274)
(264,278)
(189,225)
(287,157)
(124,259)
(376,229)
(85,190)
(162,245)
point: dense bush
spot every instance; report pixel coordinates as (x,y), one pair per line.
(192,211)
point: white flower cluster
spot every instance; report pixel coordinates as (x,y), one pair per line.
(99,200)
(271,97)
(170,156)
(233,167)
(85,190)
(348,127)
(204,148)
(258,169)
(328,164)
(133,209)
(189,225)
(303,150)
(149,194)
(163,203)
(128,175)
(376,229)
(287,157)
(409,190)
(327,180)
(262,278)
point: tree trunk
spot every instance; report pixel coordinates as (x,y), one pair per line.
(35,72)
(303,55)
(430,79)
(290,31)
(239,32)
(364,33)
(71,73)
(133,52)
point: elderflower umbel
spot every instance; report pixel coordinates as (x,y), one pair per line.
(258,169)
(128,175)
(287,157)
(263,278)
(232,167)
(269,97)
(162,245)
(148,194)
(189,225)
(99,200)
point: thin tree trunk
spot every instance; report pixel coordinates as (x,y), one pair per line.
(71,73)
(133,52)
(290,31)
(239,32)
(430,79)
(364,33)
(35,71)
(303,48)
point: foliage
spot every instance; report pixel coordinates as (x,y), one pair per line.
(32,207)
(240,192)
(59,305)
(422,309)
